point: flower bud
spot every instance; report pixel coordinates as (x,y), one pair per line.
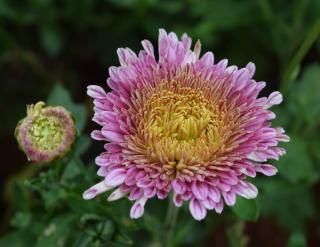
(46,133)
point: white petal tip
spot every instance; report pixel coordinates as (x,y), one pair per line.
(89,194)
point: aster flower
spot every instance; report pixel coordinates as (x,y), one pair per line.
(46,133)
(182,123)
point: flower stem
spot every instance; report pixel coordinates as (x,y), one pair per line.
(170,222)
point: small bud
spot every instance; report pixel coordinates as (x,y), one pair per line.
(46,133)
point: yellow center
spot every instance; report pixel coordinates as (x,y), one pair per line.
(179,117)
(183,126)
(46,132)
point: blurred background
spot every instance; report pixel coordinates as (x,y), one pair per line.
(45,43)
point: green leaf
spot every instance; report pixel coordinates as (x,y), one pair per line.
(21,219)
(291,204)
(297,239)
(296,166)
(60,96)
(17,239)
(236,235)
(51,39)
(246,209)
(73,169)
(56,232)
(82,144)
(305,96)
(80,115)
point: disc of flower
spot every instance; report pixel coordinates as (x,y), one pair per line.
(184,124)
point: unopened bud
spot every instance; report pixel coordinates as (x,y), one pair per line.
(46,133)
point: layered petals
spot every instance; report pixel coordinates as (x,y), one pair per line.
(184,123)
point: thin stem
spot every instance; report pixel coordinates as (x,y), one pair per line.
(293,66)
(170,222)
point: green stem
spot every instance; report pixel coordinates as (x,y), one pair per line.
(291,70)
(170,222)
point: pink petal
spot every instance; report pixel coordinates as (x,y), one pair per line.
(200,190)
(214,194)
(251,68)
(148,47)
(274,98)
(229,198)
(266,169)
(97,135)
(113,136)
(219,207)
(96,92)
(115,177)
(208,203)
(135,194)
(207,59)
(116,195)
(137,209)
(177,200)
(162,194)
(197,210)
(150,192)
(178,186)
(95,190)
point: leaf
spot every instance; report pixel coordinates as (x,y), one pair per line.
(72,169)
(182,232)
(297,239)
(21,219)
(51,38)
(82,144)
(56,232)
(305,96)
(59,96)
(14,239)
(236,235)
(246,209)
(296,166)
(291,204)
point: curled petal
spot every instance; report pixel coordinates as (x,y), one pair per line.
(96,190)
(251,68)
(200,190)
(115,177)
(246,190)
(197,210)
(148,47)
(214,194)
(219,207)
(229,198)
(266,169)
(208,204)
(178,186)
(116,195)
(137,209)
(96,92)
(274,98)
(177,200)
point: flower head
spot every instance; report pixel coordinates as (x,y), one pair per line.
(46,133)
(185,124)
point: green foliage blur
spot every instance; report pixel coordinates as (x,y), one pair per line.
(53,49)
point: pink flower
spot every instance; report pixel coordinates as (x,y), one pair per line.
(185,124)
